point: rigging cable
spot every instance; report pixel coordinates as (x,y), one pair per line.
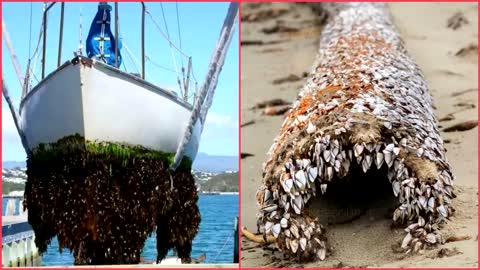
(155,64)
(80,39)
(159,66)
(164,21)
(163,34)
(178,27)
(30,36)
(171,49)
(124,67)
(26,81)
(133,58)
(224,244)
(36,54)
(120,41)
(181,59)
(37,50)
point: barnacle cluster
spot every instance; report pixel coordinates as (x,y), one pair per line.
(102,200)
(365,104)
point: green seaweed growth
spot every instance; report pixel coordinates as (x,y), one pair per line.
(121,152)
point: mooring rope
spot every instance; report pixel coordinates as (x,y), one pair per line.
(210,83)
(223,247)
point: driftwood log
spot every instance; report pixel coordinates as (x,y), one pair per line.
(365,107)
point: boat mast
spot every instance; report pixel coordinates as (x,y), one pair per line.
(116,35)
(80,46)
(186,82)
(45,38)
(61,35)
(143,40)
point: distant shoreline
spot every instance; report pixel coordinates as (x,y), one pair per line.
(217,193)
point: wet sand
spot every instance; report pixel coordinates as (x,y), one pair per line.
(272,67)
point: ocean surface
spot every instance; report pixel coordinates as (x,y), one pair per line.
(215,237)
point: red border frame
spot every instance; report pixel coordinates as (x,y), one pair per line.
(239,29)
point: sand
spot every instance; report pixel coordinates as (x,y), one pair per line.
(366,241)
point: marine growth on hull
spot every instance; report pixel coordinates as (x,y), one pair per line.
(365,107)
(102,201)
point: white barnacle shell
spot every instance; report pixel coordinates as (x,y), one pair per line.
(312,173)
(300,179)
(269,208)
(284,223)
(327,155)
(358,148)
(329,173)
(323,187)
(294,245)
(396,188)
(441,209)
(294,230)
(406,241)
(379,159)
(276,230)
(321,254)
(431,238)
(268,226)
(421,221)
(311,128)
(287,185)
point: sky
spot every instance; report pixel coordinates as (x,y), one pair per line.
(200,24)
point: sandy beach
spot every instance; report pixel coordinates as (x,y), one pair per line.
(278,48)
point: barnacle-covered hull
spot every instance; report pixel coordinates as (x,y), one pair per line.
(103,200)
(365,105)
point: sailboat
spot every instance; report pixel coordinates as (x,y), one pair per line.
(90,96)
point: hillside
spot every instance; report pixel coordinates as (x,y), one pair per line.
(14,179)
(7,187)
(224,182)
(216,164)
(203,162)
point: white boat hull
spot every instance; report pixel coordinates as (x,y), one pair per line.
(102,103)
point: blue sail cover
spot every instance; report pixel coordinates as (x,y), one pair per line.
(100,40)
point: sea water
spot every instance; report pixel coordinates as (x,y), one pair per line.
(215,237)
